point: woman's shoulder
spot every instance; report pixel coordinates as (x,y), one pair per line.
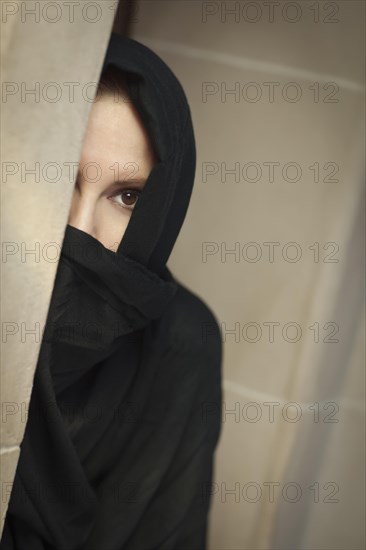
(190,324)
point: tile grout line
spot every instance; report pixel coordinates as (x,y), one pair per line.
(234,387)
(245,63)
(5,450)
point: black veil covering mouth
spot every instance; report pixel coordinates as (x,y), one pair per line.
(125,410)
(100,299)
(94,284)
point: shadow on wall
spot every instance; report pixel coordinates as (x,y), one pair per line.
(124,17)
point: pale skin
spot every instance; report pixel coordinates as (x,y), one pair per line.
(116,160)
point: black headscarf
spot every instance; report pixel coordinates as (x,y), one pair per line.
(125,411)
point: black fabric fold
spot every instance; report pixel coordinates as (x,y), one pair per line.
(108,294)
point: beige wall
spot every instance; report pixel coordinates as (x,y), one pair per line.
(319,457)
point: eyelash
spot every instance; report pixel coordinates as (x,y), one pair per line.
(136,192)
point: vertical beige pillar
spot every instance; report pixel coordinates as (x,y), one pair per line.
(52,53)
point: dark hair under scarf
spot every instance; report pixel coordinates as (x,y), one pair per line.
(125,411)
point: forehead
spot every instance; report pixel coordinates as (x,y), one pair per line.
(115,133)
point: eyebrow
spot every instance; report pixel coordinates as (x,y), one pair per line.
(133,181)
(122,182)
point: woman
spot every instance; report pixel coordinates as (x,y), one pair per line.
(125,411)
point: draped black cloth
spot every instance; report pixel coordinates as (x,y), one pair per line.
(125,410)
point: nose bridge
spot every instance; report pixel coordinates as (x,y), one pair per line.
(83,212)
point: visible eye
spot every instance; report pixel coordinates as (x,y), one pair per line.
(126,198)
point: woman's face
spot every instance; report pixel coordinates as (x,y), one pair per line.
(116,160)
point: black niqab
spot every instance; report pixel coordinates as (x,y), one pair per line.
(125,411)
